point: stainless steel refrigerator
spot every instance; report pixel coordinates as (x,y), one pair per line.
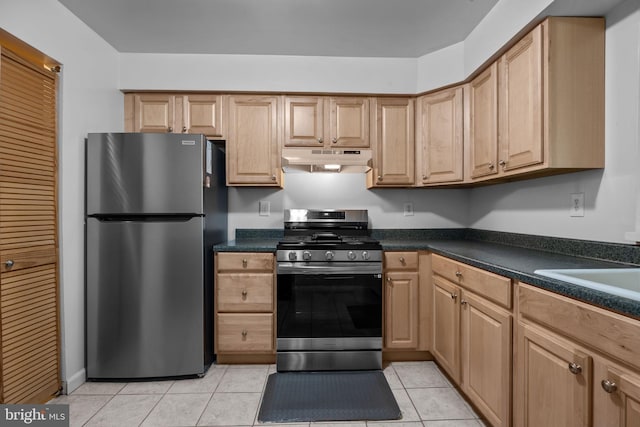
(155,206)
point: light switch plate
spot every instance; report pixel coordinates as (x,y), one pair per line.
(265,208)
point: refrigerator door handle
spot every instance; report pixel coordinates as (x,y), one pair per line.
(146,218)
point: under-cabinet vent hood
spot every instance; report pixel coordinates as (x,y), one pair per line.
(319,160)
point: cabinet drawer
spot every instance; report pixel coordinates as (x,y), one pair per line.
(245,292)
(401,260)
(244,332)
(489,285)
(245,261)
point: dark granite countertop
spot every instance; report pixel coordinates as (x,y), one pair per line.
(497,252)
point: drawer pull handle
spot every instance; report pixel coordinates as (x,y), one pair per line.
(609,386)
(574,368)
(244,293)
(454,296)
(244,333)
(244,263)
(458,274)
(402,260)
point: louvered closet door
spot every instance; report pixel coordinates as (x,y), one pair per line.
(29,337)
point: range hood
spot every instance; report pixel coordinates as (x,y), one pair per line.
(326,160)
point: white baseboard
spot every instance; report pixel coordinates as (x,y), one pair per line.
(74,381)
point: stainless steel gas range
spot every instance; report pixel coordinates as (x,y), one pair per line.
(329,292)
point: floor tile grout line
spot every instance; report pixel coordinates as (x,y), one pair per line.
(97,410)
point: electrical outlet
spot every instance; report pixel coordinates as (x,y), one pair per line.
(577,204)
(408,208)
(265,208)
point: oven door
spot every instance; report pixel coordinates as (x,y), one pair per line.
(329,307)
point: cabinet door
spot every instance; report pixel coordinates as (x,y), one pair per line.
(253,155)
(554,381)
(616,395)
(520,115)
(394,142)
(486,357)
(349,122)
(446,326)
(401,304)
(481,99)
(304,121)
(202,113)
(154,112)
(440,136)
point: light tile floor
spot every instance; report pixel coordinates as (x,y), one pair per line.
(230,395)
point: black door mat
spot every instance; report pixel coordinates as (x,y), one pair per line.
(328,396)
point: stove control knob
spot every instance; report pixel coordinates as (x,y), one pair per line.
(365,255)
(292,256)
(351,255)
(306,255)
(329,255)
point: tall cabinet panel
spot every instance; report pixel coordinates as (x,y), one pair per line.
(29,335)
(440,137)
(253,149)
(481,139)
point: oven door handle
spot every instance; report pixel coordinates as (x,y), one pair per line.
(345,268)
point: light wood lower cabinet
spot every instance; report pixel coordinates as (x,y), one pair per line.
(578,362)
(406,321)
(472,336)
(244,303)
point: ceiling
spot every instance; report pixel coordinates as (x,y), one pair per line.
(352,28)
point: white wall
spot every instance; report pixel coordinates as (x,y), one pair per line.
(267,73)
(441,68)
(432,208)
(541,206)
(89,102)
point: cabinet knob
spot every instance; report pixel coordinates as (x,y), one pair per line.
(454,296)
(244,333)
(609,386)
(502,163)
(9,263)
(170,129)
(458,274)
(463,302)
(424,177)
(334,140)
(244,263)
(273,177)
(574,368)
(491,166)
(379,178)
(402,260)
(244,293)
(320,140)
(184,129)
(389,279)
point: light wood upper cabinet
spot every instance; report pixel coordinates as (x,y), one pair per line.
(304,121)
(521,97)
(349,122)
(326,122)
(440,137)
(253,148)
(551,104)
(481,134)
(175,113)
(202,113)
(152,112)
(393,143)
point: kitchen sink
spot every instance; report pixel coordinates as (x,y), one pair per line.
(623,282)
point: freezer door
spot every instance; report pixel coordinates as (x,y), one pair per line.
(142,173)
(144,299)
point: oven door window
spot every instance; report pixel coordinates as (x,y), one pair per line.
(329,305)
